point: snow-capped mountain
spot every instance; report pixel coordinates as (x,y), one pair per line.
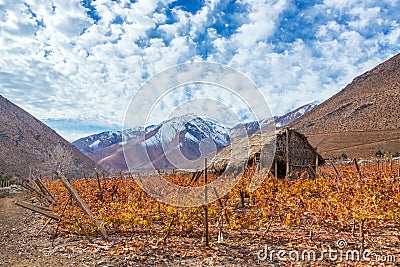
(286,119)
(189,128)
(164,144)
(94,142)
(250,128)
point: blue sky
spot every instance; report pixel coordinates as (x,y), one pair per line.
(77,64)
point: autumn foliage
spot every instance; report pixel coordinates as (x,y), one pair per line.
(368,199)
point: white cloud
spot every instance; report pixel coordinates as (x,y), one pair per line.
(393,36)
(57,62)
(365,15)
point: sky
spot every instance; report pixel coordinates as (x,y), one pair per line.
(76,65)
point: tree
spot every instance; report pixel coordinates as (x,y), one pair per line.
(61,159)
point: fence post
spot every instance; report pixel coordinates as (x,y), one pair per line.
(82,205)
(287,152)
(316,161)
(206,200)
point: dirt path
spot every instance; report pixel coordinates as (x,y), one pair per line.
(19,244)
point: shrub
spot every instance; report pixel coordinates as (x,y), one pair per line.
(5,178)
(379,153)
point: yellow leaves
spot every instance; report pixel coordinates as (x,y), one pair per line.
(169,209)
(330,199)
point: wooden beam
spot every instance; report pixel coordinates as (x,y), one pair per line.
(82,205)
(27,186)
(42,207)
(312,172)
(44,187)
(38,209)
(39,186)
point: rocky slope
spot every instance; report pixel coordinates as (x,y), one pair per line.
(367,109)
(25,142)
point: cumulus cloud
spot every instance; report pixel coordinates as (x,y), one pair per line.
(85,60)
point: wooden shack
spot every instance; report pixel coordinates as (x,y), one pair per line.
(293,154)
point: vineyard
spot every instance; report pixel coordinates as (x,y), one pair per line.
(355,204)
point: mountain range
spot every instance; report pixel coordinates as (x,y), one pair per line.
(186,134)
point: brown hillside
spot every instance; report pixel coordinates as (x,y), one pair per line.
(24,141)
(356,120)
(356,144)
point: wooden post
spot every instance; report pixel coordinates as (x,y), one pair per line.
(398,169)
(27,186)
(362,235)
(359,174)
(98,181)
(337,173)
(44,187)
(221,205)
(276,170)
(391,164)
(312,172)
(206,200)
(287,152)
(82,205)
(42,210)
(357,167)
(39,185)
(316,161)
(384,165)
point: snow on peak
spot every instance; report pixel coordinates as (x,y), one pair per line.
(95,144)
(196,129)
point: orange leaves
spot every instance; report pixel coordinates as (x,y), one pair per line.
(124,207)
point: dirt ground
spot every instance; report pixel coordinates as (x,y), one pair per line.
(21,245)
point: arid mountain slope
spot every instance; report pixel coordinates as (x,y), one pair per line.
(370,103)
(24,142)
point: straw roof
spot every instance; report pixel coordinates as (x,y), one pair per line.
(242,150)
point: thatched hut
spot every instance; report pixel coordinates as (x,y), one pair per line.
(293,154)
